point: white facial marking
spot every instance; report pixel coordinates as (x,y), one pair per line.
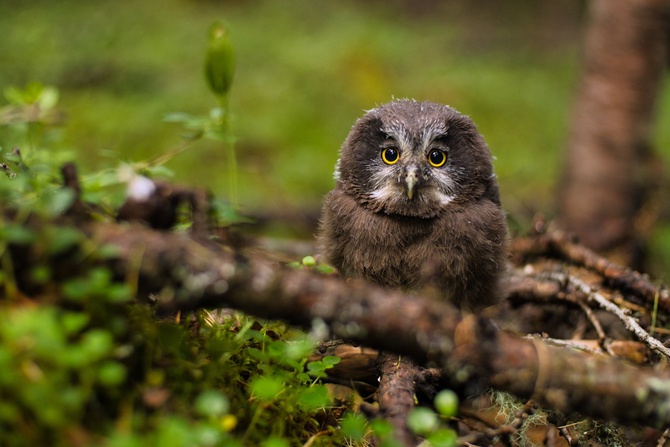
(442,198)
(385,193)
(380,177)
(398,131)
(430,131)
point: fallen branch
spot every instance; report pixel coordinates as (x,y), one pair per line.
(396,393)
(187,274)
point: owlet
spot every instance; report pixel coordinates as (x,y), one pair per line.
(416,204)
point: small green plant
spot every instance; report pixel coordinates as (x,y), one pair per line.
(424,422)
(309,262)
(219,71)
(430,425)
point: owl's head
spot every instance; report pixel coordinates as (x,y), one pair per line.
(415,159)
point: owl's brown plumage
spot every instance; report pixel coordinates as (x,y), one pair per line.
(416,203)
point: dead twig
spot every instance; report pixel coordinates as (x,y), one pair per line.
(633,351)
(560,245)
(630,322)
(664,438)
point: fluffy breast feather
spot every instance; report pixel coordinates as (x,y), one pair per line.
(462,253)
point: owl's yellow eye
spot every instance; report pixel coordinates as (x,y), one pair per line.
(390,155)
(437,158)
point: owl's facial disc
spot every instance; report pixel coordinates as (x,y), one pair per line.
(416,160)
(410,186)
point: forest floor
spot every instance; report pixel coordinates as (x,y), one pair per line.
(575,355)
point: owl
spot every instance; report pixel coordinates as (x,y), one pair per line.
(416,204)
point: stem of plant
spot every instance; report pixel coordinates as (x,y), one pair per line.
(232,158)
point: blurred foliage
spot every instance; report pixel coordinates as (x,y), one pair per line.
(305,71)
(84,361)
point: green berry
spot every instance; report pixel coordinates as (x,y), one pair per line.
(446,403)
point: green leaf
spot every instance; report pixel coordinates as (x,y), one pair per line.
(422,421)
(266,388)
(298,349)
(318,368)
(257,354)
(17,234)
(313,397)
(325,269)
(443,437)
(158,171)
(74,322)
(97,343)
(381,427)
(275,441)
(111,373)
(76,289)
(107,252)
(119,293)
(354,425)
(331,360)
(59,200)
(62,239)
(48,97)
(276,350)
(212,403)
(205,435)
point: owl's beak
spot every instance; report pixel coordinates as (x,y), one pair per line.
(411,179)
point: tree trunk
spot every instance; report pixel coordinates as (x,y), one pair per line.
(605,180)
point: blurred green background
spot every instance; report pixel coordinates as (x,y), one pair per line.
(306,69)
